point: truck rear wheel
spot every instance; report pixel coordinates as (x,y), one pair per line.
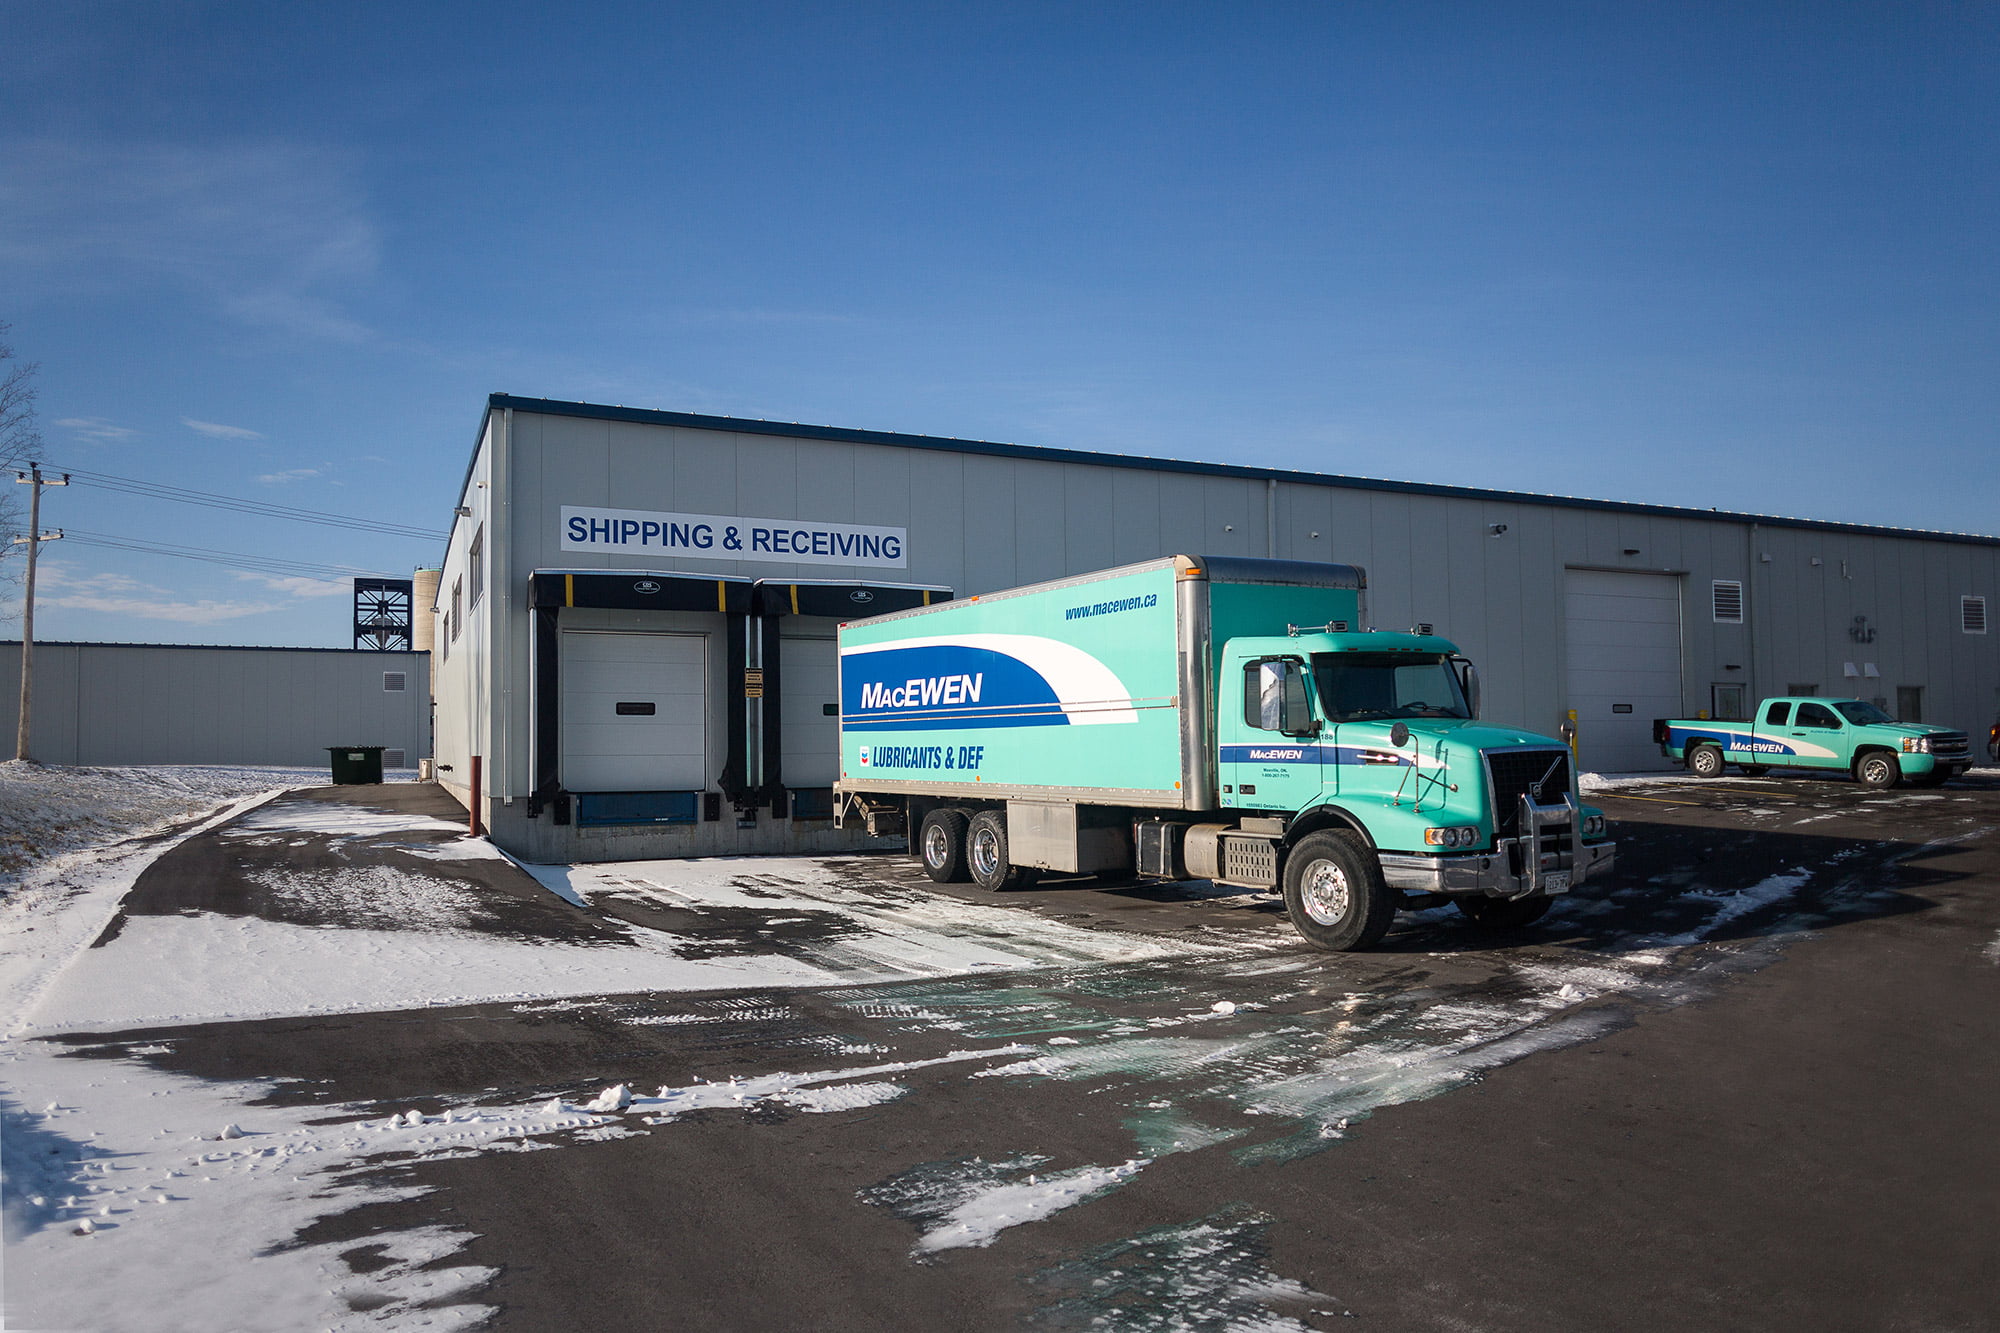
(1705,761)
(1504,913)
(1878,769)
(986,854)
(1334,892)
(941,846)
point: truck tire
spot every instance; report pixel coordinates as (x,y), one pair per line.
(1504,913)
(941,846)
(986,854)
(1705,761)
(1878,769)
(1334,892)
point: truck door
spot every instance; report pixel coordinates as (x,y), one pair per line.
(1819,738)
(1269,730)
(1775,726)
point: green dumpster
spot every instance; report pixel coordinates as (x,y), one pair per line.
(354,765)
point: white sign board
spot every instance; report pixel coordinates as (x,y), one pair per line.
(727,537)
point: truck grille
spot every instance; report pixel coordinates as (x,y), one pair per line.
(1951,745)
(1542,774)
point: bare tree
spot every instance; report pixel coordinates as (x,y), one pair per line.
(20,441)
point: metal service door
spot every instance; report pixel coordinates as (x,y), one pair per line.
(1624,633)
(634,711)
(809,675)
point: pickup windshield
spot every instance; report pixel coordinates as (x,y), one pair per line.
(1354,686)
(1861,714)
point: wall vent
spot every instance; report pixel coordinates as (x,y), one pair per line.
(394,759)
(395,681)
(1972,614)
(1728,602)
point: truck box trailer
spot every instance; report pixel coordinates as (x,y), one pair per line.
(1213,718)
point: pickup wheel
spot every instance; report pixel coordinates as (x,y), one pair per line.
(1504,913)
(986,854)
(1705,761)
(1878,769)
(1334,892)
(941,846)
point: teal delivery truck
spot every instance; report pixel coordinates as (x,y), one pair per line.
(1223,719)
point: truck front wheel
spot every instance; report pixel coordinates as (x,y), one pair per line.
(986,854)
(1334,892)
(1878,769)
(941,846)
(1705,761)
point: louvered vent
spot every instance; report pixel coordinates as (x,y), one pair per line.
(1972,614)
(395,681)
(1728,602)
(393,759)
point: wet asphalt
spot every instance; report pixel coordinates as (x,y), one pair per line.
(1786,1123)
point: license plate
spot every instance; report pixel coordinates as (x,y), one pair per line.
(1556,881)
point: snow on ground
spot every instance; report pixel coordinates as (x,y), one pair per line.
(138,1198)
(411,941)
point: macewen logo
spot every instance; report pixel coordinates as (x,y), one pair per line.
(646,586)
(861,595)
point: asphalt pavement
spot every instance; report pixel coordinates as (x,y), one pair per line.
(1746,1082)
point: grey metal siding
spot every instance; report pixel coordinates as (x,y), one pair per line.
(110,703)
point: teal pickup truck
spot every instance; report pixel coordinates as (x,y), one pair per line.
(1828,735)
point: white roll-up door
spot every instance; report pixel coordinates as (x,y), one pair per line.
(1624,637)
(634,711)
(809,668)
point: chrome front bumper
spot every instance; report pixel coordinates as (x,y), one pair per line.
(1491,874)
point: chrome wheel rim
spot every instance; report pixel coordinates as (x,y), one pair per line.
(1875,770)
(1323,893)
(937,845)
(985,853)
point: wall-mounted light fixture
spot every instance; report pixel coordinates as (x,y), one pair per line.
(1496,529)
(1631,550)
(463,511)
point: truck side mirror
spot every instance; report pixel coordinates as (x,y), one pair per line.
(1468,682)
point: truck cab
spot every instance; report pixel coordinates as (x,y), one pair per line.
(1377,733)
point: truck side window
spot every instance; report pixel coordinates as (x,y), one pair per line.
(1777,715)
(1275,698)
(1817,715)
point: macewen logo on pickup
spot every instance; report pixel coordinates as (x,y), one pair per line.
(1289,756)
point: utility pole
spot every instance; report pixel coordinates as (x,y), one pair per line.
(32,477)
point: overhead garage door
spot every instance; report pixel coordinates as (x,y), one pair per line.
(634,711)
(809,669)
(1624,635)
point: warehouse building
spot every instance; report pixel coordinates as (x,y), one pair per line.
(635,620)
(162,703)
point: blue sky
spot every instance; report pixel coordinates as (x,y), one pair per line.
(1733,255)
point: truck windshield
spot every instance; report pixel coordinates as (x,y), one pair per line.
(1861,714)
(1354,686)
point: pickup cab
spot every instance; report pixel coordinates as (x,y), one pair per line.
(1827,735)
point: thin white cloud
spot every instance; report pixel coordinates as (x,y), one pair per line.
(96,430)
(221,432)
(273,234)
(115,594)
(299,587)
(288,475)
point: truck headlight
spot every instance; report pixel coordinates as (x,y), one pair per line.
(1593,826)
(1451,837)
(1916,745)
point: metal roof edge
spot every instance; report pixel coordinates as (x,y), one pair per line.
(216,647)
(1042,453)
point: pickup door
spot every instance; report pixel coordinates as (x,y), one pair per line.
(1816,736)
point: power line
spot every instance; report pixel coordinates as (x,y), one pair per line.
(255,564)
(183,495)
